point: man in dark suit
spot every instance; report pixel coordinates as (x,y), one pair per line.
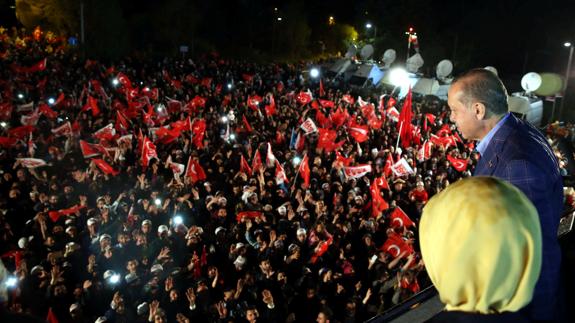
(514,150)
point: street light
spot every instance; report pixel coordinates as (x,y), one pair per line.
(369,26)
(567,74)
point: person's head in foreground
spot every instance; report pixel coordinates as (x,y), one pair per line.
(481,244)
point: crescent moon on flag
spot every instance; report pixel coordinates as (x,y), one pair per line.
(394,247)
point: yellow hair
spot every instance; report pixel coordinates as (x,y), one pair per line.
(481,243)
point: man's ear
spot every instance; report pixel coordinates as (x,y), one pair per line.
(480,110)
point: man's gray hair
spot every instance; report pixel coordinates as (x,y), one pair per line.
(481,85)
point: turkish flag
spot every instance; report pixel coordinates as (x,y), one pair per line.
(381,182)
(198,132)
(7,142)
(206,82)
(92,104)
(122,123)
(91,150)
(124,80)
(343,160)
(248,214)
(321,249)
(359,132)
(281,177)
(55,215)
(63,130)
(44,109)
(198,102)
(348,98)
(424,153)
(399,219)
(323,121)
(60,99)
(245,167)
(326,139)
(271,108)
(148,151)
(105,167)
(388,165)
(38,67)
(6,110)
(459,164)
(195,171)
(153,94)
(444,131)
(31,162)
(326,103)
(165,135)
(304,171)
(339,117)
(254,101)
(429,118)
(247,125)
(247,77)
(391,103)
(304,97)
(106,133)
(356,171)
(395,245)
(257,162)
(51,317)
(404,123)
(378,203)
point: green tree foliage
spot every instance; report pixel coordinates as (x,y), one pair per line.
(61,16)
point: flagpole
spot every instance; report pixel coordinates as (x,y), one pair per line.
(398,136)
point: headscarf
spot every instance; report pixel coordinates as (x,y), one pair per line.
(481,244)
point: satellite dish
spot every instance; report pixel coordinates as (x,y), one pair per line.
(366,52)
(351,51)
(531,82)
(551,84)
(444,69)
(492,69)
(414,63)
(389,57)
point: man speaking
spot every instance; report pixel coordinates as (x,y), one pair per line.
(514,150)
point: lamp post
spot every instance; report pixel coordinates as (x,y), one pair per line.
(410,34)
(369,26)
(567,74)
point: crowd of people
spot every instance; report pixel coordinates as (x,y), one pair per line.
(207,189)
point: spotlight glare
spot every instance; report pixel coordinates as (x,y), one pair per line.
(296,160)
(51,101)
(114,279)
(178,220)
(115,82)
(11,282)
(229,86)
(233,136)
(224,119)
(158,202)
(20,96)
(314,72)
(3,124)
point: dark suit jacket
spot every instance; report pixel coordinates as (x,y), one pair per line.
(463,317)
(520,154)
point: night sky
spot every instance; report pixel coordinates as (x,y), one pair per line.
(515,36)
